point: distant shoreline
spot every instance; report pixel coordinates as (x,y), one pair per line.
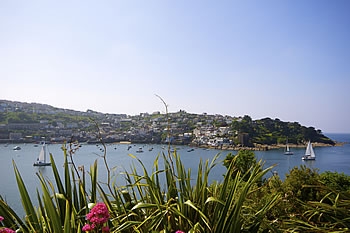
(221,147)
(267,147)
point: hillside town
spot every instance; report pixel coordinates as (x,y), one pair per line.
(37,121)
(33,122)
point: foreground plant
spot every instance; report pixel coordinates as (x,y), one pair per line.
(62,203)
(191,203)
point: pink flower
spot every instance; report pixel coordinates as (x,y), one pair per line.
(97,217)
(7,230)
(99,214)
(178,231)
(87,227)
(105,229)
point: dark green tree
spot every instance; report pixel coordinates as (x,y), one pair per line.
(243,163)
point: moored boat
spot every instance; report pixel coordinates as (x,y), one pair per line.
(287,150)
(41,161)
(140,150)
(309,153)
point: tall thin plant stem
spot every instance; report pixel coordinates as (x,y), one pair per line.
(104,157)
(168,131)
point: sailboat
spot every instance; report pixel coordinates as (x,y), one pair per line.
(41,161)
(309,153)
(288,151)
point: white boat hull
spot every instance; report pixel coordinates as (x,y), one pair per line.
(308,158)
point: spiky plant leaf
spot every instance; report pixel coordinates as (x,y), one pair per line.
(27,202)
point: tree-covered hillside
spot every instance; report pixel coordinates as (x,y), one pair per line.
(268,131)
(24,117)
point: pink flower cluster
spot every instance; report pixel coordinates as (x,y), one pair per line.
(178,231)
(4,229)
(97,217)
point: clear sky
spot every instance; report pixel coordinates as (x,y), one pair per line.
(280,59)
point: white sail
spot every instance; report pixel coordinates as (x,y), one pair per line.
(309,150)
(309,153)
(312,153)
(42,154)
(41,161)
(287,149)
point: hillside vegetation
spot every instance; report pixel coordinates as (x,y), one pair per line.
(268,131)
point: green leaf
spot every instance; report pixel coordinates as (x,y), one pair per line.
(26,201)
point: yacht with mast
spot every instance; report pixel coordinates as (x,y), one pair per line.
(41,161)
(287,151)
(309,152)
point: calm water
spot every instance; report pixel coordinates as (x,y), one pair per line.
(328,159)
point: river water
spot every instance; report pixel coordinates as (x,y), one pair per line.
(328,159)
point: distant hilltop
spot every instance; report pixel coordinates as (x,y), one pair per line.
(31,122)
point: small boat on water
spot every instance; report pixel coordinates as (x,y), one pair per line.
(41,161)
(309,153)
(287,150)
(140,150)
(16,148)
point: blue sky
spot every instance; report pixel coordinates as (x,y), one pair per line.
(279,59)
